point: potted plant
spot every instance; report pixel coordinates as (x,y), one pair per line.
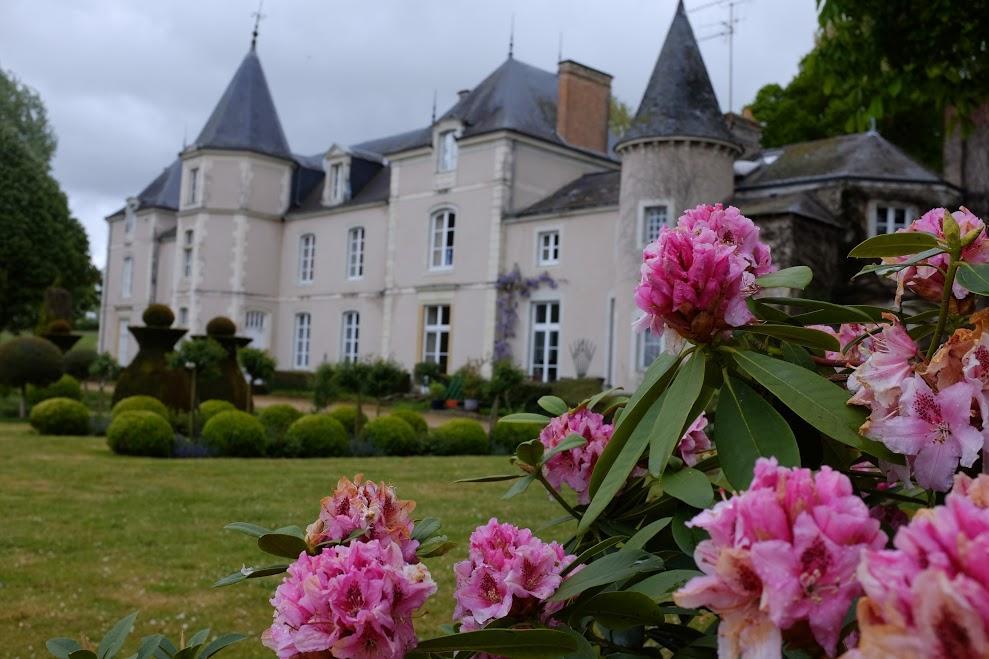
(472,384)
(437,392)
(425,374)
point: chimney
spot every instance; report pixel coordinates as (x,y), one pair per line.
(582,107)
(462,94)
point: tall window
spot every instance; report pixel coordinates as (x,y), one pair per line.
(300,347)
(355,253)
(545,341)
(127,277)
(441,240)
(349,336)
(436,335)
(336,183)
(889,219)
(187,254)
(307,258)
(183,316)
(447,160)
(254,327)
(548,245)
(193,186)
(123,342)
(653,219)
(650,345)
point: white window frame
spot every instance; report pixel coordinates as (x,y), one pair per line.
(437,328)
(645,341)
(642,226)
(547,328)
(355,253)
(127,277)
(350,333)
(193,197)
(301,338)
(442,226)
(187,248)
(254,327)
(446,150)
(307,258)
(123,341)
(548,253)
(337,186)
(891,207)
(183,316)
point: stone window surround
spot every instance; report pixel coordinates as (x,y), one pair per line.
(357,246)
(547,326)
(444,179)
(434,214)
(350,328)
(640,217)
(542,231)
(874,204)
(333,159)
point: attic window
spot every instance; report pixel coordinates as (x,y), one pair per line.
(447,151)
(336,183)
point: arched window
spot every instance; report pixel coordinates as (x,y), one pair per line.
(441,228)
(355,253)
(307,258)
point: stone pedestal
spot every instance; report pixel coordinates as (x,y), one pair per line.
(148,373)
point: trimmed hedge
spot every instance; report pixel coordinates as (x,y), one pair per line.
(140,404)
(389,435)
(412,418)
(221,326)
(210,408)
(60,416)
(235,433)
(316,436)
(347,416)
(458,437)
(65,387)
(506,437)
(140,432)
(276,420)
(158,315)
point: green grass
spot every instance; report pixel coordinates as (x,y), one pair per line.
(88,536)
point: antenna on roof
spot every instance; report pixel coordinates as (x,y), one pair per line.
(511,38)
(434,107)
(728,30)
(559,48)
(257,23)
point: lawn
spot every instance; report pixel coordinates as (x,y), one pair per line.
(88,536)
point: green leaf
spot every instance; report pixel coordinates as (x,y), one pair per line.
(766,312)
(686,538)
(598,397)
(591,552)
(804,336)
(515,643)
(607,569)
(645,534)
(114,639)
(571,441)
(525,417)
(489,479)
(974,278)
(530,452)
(220,643)
(673,416)
(822,310)
(188,652)
(149,645)
(62,647)
(799,276)
(282,544)
(658,586)
(425,527)
(250,573)
(296,531)
(748,428)
(690,486)
(817,401)
(894,244)
(199,637)
(553,404)
(883,269)
(621,609)
(247,528)
(435,546)
(519,487)
(796,355)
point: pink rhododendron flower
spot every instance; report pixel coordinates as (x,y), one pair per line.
(508,571)
(929,597)
(846,334)
(933,427)
(782,553)
(890,362)
(696,277)
(573,467)
(695,442)
(975,370)
(353,600)
(364,505)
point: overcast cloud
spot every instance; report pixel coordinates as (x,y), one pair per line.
(124,81)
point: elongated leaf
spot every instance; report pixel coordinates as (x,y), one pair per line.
(621,609)
(674,415)
(62,647)
(883,269)
(690,486)
(247,528)
(292,530)
(894,244)
(608,569)
(114,639)
(199,637)
(250,573)
(646,533)
(219,643)
(149,645)
(435,546)
(796,355)
(748,428)
(658,586)
(766,312)
(518,487)
(598,397)
(974,277)
(281,544)
(804,336)
(553,404)
(589,553)
(817,401)
(822,309)
(525,417)
(686,538)
(516,643)
(530,452)
(584,649)
(188,652)
(425,528)
(489,479)
(799,276)
(571,441)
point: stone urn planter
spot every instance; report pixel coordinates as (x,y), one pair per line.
(148,374)
(64,342)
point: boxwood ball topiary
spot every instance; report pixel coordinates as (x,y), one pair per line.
(276,420)
(317,436)
(65,387)
(235,433)
(140,432)
(210,408)
(412,418)
(458,437)
(29,360)
(59,326)
(140,403)
(158,315)
(347,415)
(390,435)
(60,416)
(78,361)
(221,326)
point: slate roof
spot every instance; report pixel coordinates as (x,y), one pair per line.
(163,192)
(411,139)
(245,117)
(802,204)
(377,189)
(595,190)
(858,156)
(679,100)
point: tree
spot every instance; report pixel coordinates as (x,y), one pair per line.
(105,369)
(619,116)
(201,357)
(29,360)
(355,376)
(325,386)
(259,366)
(22,109)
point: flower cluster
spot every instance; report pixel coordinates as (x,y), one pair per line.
(855,340)
(364,505)
(574,467)
(697,276)
(929,597)
(781,554)
(351,600)
(508,571)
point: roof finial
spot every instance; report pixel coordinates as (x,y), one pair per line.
(559,49)
(434,107)
(257,23)
(511,38)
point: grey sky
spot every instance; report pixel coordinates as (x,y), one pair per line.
(125,80)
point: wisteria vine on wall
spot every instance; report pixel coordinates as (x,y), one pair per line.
(511,286)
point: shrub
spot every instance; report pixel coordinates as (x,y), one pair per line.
(574,390)
(65,387)
(140,403)
(316,436)
(506,437)
(79,361)
(210,408)
(458,437)
(221,326)
(235,433)
(140,432)
(258,364)
(158,315)
(412,418)
(29,360)
(104,368)
(60,416)
(386,378)
(390,435)
(276,419)
(59,326)
(291,380)
(471,382)
(347,416)
(427,372)
(325,385)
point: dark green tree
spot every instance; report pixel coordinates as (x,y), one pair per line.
(23,111)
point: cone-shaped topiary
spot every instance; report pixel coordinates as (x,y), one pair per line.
(158,315)
(29,360)
(148,373)
(221,326)
(59,326)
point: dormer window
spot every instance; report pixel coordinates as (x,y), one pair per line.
(447,152)
(336,183)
